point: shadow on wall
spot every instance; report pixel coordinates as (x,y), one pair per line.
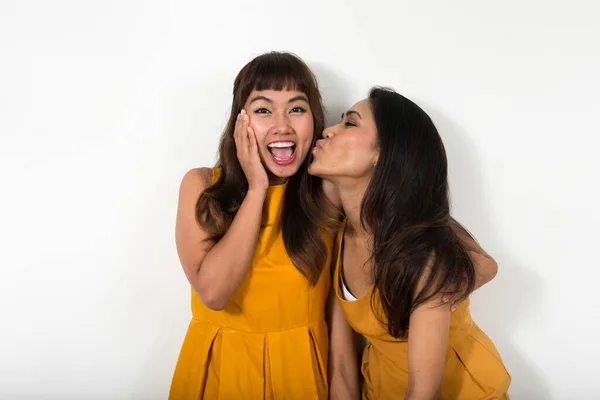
(335,92)
(337,100)
(516,292)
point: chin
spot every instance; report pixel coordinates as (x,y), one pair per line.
(315,167)
(283,171)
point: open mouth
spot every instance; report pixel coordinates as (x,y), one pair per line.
(283,153)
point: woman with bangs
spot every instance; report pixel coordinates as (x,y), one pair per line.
(254,236)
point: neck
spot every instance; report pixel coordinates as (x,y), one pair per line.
(352,193)
(276,180)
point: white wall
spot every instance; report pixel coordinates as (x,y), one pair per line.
(105,104)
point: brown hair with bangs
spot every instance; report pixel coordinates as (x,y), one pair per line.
(306,212)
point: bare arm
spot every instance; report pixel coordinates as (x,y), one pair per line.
(343,368)
(215,272)
(486,267)
(427,342)
(429,327)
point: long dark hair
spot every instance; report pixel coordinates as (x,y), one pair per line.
(304,213)
(407,210)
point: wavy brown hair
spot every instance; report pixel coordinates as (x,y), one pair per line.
(305,210)
(416,253)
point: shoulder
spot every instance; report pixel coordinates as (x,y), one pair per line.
(196,180)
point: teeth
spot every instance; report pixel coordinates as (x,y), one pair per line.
(281,144)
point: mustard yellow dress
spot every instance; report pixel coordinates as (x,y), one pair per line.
(473,369)
(270,341)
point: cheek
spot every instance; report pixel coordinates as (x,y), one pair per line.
(355,156)
(362,152)
(304,128)
(260,127)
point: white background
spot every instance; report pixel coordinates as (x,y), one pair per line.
(104,105)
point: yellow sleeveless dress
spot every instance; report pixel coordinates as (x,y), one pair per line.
(270,341)
(473,369)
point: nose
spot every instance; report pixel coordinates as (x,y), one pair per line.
(281,123)
(330,132)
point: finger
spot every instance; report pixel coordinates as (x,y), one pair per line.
(244,132)
(236,127)
(446,298)
(241,135)
(253,145)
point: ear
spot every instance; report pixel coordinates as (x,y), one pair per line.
(376,158)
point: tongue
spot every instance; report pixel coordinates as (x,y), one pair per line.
(283,153)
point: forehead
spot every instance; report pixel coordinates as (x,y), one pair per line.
(363,108)
(276,96)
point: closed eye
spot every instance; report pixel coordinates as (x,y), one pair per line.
(348,124)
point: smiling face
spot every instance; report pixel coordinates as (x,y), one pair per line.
(283,123)
(348,149)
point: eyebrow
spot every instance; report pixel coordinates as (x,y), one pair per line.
(268,100)
(350,112)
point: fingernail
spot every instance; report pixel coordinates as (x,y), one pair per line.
(243,111)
